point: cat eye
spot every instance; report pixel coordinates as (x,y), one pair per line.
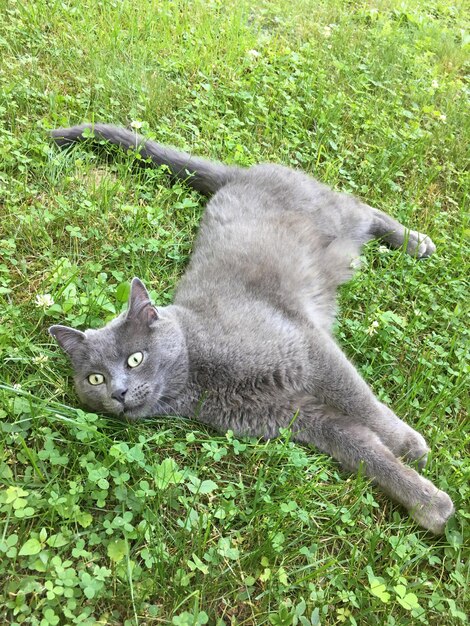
(96,379)
(135,359)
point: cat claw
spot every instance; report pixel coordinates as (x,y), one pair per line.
(420,245)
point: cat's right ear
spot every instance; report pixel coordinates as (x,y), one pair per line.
(68,339)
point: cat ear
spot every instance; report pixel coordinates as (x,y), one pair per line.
(140,306)
(68,339)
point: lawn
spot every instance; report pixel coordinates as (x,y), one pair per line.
(168,522)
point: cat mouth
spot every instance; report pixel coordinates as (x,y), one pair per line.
(132,410)
(136,407)
(124,410)
(129,405)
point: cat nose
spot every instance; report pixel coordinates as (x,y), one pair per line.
(118,394)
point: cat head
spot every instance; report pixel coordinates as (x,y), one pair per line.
(133,367)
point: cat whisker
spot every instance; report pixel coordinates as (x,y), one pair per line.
(172,409)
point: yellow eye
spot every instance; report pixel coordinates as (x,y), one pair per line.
(135,359)
(96,379)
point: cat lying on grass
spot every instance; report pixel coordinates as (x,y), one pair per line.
(247,344)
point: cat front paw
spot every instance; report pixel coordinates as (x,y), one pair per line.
(414,450)
(420,245)
(435,513)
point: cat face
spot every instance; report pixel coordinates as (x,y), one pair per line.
(133,367)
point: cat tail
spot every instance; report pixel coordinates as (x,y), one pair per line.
(205,176)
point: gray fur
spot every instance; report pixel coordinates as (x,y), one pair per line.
(247,344)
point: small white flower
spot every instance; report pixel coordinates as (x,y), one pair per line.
(434,84)
(254,53)
(442,117)
(372,328)
(383,249)
(17,386)
(44,300)
(136,125)
(327,31)
(40,359)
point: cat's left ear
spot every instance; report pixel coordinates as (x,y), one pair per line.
(140,307)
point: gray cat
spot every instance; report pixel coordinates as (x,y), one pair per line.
(247,344)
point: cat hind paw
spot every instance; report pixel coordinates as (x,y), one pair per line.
(420,245)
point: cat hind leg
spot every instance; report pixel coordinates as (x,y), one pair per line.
(396,235)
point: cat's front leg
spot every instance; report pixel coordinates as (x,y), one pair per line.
(405,442)
(336,382)
(354,444)
(332,378)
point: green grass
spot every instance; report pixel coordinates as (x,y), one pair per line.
(168,522)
